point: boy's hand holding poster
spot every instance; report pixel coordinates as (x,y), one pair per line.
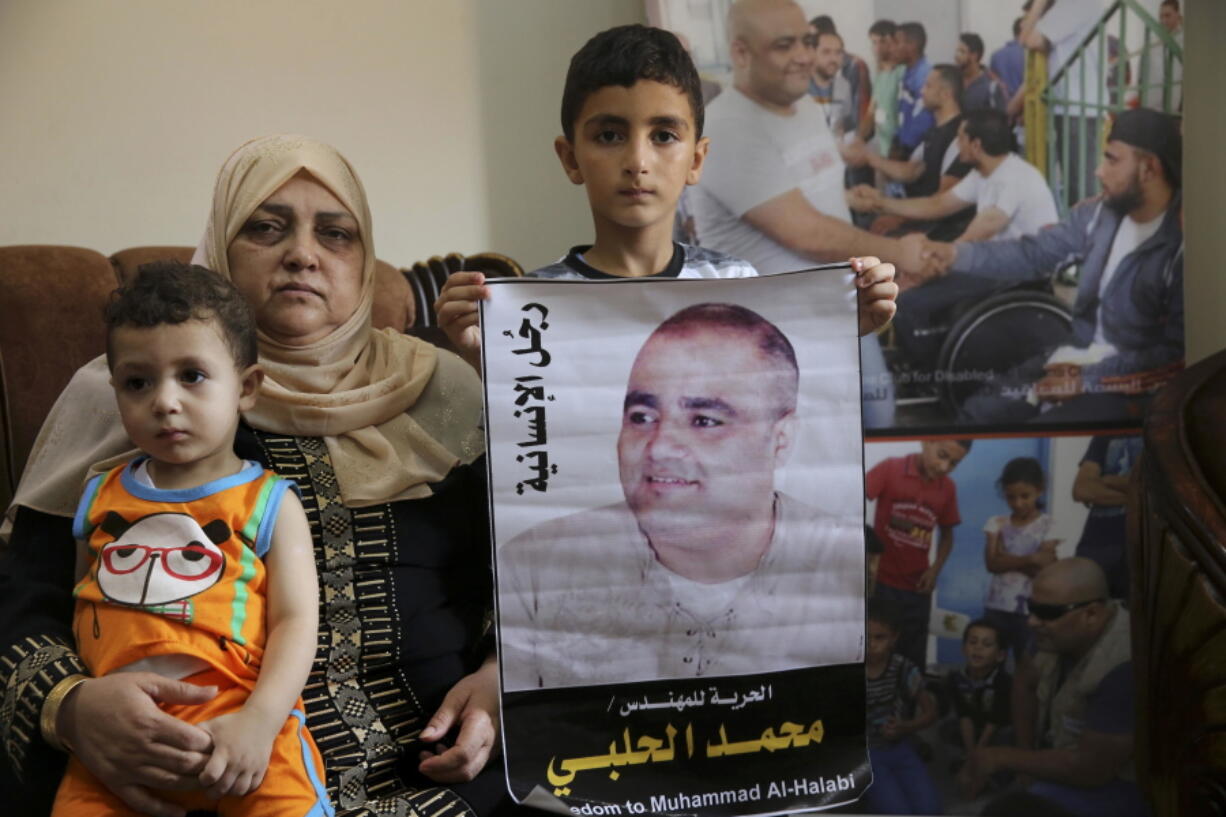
(678,521)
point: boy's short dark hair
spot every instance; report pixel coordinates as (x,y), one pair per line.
(622,56)
(966,444)
(973,43)
(992,130)
(915,33)
(171,292)
(1017,27)
(884,612)
(883,28)
(1002,640)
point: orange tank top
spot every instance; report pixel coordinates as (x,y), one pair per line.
(175,571)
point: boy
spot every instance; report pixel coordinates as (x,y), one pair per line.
(915,500)
(632,117)
(980,691)
(193,564)
(895,687)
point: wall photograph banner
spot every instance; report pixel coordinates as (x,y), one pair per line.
(1041,267)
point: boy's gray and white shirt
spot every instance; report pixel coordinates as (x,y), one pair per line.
(687,262)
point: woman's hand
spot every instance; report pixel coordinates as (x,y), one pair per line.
(875,291)
(472,707)
(115,728)
(456,309)
(242,744)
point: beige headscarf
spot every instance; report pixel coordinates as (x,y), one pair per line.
(351,388)
(370,394)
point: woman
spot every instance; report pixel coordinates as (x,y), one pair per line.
(380,432)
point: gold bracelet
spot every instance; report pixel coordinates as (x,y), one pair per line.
(51,709)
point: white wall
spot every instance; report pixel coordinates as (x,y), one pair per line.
(118,114)
(522,49)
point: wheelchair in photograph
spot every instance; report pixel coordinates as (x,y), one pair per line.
(967,346)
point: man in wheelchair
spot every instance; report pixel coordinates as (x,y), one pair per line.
(1126,334)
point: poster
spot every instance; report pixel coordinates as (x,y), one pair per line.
(679,555)
(1031,349)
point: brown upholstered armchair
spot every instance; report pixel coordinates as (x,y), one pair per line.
(50,324)
(1177,544)
(426,279)
(51,301)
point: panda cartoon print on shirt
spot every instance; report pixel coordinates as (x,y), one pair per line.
(160,561)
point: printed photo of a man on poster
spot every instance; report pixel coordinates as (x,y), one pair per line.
(705,568)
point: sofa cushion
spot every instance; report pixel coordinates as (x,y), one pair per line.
(126,261)
(50,324)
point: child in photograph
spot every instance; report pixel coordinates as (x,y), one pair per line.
(1018,546)
(917,506)
(895,687)
(192,563)
(980,691)
(632,119)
